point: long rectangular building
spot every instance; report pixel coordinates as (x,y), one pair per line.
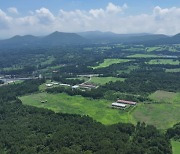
(119,105)
(126,102)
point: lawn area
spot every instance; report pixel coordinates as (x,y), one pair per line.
(175,147)
(104,80)
(97,109)
(150,49)
(173,70)
(108,62)
(164,61)
(162,116)
(142,56)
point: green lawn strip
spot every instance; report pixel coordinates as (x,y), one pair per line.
(173,70)
(164,61)
(104,80)
(150,49)
(175,147)
(97,109)
(143,56)
(108,62)
(162,116)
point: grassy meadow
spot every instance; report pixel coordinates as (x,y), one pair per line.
(97,109)
(108,62)
(164,113)
(175,147)
(104,80)
(164,61)
(142,56)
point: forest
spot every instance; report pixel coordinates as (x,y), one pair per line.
(26,129)
(140,71)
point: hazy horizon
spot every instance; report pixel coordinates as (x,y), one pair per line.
(44,17)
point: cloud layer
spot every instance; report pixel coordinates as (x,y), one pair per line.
(112,18)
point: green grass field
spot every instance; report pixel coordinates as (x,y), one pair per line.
(165,96)
(97,109)
(175,147)
(104,80)
(108,62)
(142,56)
(150,49)
(162,116)
(173,70)
(164,61)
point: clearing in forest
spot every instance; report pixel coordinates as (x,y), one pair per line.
(163,114)
(164,61)
(104,80)
(99,110)
(108,62)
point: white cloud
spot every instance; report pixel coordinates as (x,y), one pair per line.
(13,10)
(111,18)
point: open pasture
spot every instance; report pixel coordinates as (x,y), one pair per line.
(108,62)
(99,110)
(162,116)
(164,61)
(104,80)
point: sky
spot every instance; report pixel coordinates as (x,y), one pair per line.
(41,17)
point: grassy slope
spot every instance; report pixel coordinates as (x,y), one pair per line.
(104,80)
(164,114)
(164,61)
(97,109)
(108,62)
(175,147)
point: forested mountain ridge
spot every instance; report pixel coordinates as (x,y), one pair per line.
(92,37)
(54,39)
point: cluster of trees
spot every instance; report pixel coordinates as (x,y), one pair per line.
(174,132)
(67,81)
(9,92)
(145,81)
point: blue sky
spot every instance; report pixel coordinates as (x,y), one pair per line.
(40,17)
(137,6)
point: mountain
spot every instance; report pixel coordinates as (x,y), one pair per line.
(60,38)
(19,41)
(54,39)
(110,37)
(90,37)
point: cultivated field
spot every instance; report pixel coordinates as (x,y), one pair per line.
(163,114)
(164,96)
(108,62)
(97,109)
